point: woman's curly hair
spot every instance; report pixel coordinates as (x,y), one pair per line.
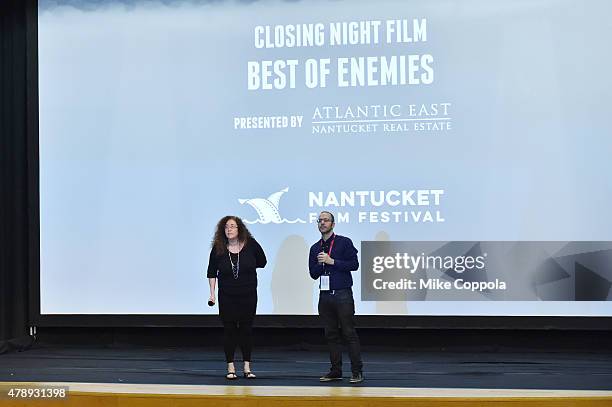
(219,242)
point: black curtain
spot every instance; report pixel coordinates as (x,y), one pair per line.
(17,127)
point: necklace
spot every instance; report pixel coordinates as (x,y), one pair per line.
(235,267)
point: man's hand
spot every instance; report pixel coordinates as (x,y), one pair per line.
(324,258)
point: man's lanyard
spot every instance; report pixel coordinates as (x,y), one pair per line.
(324,283)
(331,245)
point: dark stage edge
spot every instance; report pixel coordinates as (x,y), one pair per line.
(290,367)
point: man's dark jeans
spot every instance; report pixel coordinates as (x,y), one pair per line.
(336,309)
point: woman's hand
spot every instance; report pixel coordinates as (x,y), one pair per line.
(212,282)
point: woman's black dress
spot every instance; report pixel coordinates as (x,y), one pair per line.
(237,290)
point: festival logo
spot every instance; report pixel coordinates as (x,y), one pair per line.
(268,209)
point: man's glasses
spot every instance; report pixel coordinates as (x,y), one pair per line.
(323,220)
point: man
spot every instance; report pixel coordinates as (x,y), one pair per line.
(331,260)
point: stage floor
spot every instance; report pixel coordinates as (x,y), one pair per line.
(291,367)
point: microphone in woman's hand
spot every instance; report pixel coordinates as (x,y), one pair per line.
(211,303)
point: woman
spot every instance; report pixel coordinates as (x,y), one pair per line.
(234,258)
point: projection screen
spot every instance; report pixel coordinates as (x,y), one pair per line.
(461,145)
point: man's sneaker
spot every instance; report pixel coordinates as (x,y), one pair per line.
(331,376)
(356,378)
